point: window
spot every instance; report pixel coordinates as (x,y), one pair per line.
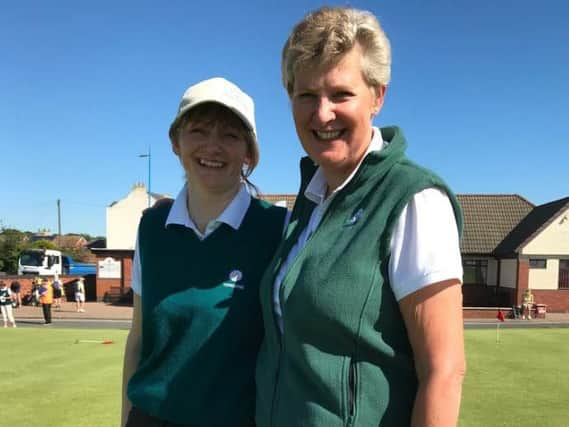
(537,263)
(564,274)
(475,271)
(32,258)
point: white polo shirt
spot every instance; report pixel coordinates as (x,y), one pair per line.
(424,245)
(232,215)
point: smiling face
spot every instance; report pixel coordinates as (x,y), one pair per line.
(333,109)
(212,146)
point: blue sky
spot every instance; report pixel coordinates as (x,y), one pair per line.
(481,90)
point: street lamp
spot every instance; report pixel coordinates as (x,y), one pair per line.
(149,156)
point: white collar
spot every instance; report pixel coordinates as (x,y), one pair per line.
(232,215)
(316,189)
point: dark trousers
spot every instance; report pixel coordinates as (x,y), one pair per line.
(138,418)
(46,308)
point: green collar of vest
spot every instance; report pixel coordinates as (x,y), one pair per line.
(393,152)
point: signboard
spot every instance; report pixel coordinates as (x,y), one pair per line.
(109,269)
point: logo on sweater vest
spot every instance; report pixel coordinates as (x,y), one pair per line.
(234,277)
(354,218)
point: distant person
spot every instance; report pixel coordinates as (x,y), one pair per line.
(57,291)
(36,284)
(16,288)
(527,304)
(6,304)
(46,299)
(196,328)
(80,295)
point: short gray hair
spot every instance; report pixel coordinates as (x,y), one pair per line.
(325,35)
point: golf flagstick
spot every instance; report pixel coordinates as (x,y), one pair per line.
(500,317)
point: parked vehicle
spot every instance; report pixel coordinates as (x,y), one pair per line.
(70,266)
(47,262)
(41,262)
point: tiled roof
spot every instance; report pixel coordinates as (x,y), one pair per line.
(98,243)
(489,218)
(276,198)
(70,241)
(539,218)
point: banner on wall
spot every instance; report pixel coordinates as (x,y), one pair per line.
(109,268)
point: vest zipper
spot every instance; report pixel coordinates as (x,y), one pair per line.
(352,383)
(274,402)
(280,344)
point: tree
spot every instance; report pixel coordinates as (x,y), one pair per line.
(43,244)
(12,242)
(81,254)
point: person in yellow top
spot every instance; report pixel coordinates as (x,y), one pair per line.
(46,299)
(527,304)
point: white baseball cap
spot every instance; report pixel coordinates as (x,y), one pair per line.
(223,92)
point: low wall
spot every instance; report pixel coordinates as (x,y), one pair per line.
(68,285)
(485,312)
(557,301)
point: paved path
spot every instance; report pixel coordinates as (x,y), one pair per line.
(96,316)
(101,315)
(93,311)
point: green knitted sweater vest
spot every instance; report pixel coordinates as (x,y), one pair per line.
(201,321)
(344,358)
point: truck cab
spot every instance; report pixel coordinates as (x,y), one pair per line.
(42,262)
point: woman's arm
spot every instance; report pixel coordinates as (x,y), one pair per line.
(131,355)
(433,317)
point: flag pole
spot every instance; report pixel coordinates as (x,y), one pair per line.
(501,318)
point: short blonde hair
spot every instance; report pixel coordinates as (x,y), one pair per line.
(325,35)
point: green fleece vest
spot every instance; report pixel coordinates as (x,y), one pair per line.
(201,321)
(5,298)
(344,358)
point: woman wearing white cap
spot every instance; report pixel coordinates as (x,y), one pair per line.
(191,352)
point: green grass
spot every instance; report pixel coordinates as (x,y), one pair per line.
(48,380)
(522,381)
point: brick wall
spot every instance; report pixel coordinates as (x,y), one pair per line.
(105,285)
(116,285)
(68,285)
(523,279)
(485,312)
(556,301)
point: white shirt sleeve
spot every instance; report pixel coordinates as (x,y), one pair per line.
(425,244)
(135,276)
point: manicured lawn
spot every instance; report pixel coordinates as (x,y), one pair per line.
(48,380)
(522,381)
